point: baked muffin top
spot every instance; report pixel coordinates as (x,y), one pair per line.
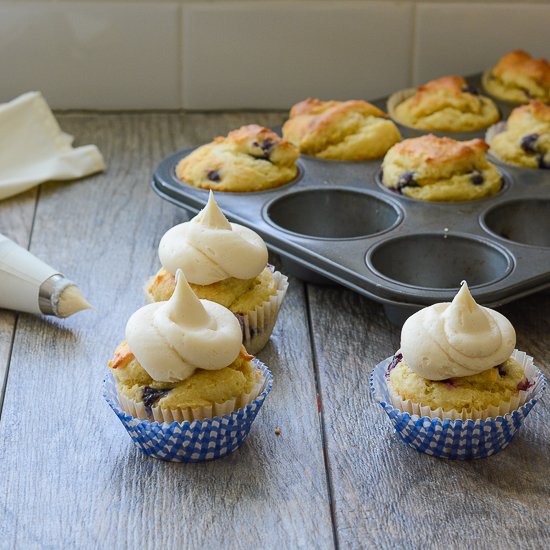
(340,130)
(440,169)
(526,140)
(519,77)
(446,104)
(251,158)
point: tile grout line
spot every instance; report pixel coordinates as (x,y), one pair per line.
(413,44)
(16,322)
(321,418)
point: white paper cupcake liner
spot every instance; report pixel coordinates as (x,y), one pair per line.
(448,434)
(193,440)
(256,325)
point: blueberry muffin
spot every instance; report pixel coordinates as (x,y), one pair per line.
(446,104)
(440,169)
(526,140)
(251,158)
(183,358)
(457,357)
(226,263)
(340,130)
(519,78)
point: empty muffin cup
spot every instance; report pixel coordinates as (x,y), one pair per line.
(332,213)
(524,221)
(439,261)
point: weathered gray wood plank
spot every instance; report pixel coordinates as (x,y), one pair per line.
(387,495)
(69,475)
(16,215)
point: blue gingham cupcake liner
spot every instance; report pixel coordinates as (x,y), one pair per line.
(461,439)
(196,441)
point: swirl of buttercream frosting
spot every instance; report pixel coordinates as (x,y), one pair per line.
(209,249)
(171,339)
(460,338)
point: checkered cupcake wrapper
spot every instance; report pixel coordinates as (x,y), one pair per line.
(196,441)
(456,439)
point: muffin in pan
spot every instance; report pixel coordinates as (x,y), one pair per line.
(185,387)
(251,158)
(440,169)
(340,130)
(519,78)
(447,104)
(226,263)
(457,388)
(525,141)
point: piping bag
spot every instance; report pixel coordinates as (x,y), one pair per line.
(28,284)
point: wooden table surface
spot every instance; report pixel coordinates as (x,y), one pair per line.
(337,475)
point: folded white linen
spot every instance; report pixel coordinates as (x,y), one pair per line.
(34,149)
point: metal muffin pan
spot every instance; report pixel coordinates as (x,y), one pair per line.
(336,222)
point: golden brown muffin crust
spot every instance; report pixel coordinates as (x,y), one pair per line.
(440,151)
(520,62)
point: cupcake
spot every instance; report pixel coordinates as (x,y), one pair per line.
(226,263)
(435,168)
(251,158)
(526,139)
(457,388)
(183,370)
(447,104)
(340,130)
(519,78)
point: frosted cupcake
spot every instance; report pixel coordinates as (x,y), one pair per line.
(181,366)
(457,373)
(226,263)
(447,104)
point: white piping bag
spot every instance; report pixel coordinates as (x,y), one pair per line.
(28,284)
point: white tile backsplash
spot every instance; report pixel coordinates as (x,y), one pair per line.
(463,38)
(232,54)
(92,56)
(270,54)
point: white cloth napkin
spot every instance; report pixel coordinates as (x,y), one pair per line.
(33,148)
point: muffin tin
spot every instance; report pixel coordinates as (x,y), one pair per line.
(337,222)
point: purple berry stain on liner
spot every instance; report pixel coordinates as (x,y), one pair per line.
(150,396)
(394,362)
(214,175)
(449,383)
(524,385)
